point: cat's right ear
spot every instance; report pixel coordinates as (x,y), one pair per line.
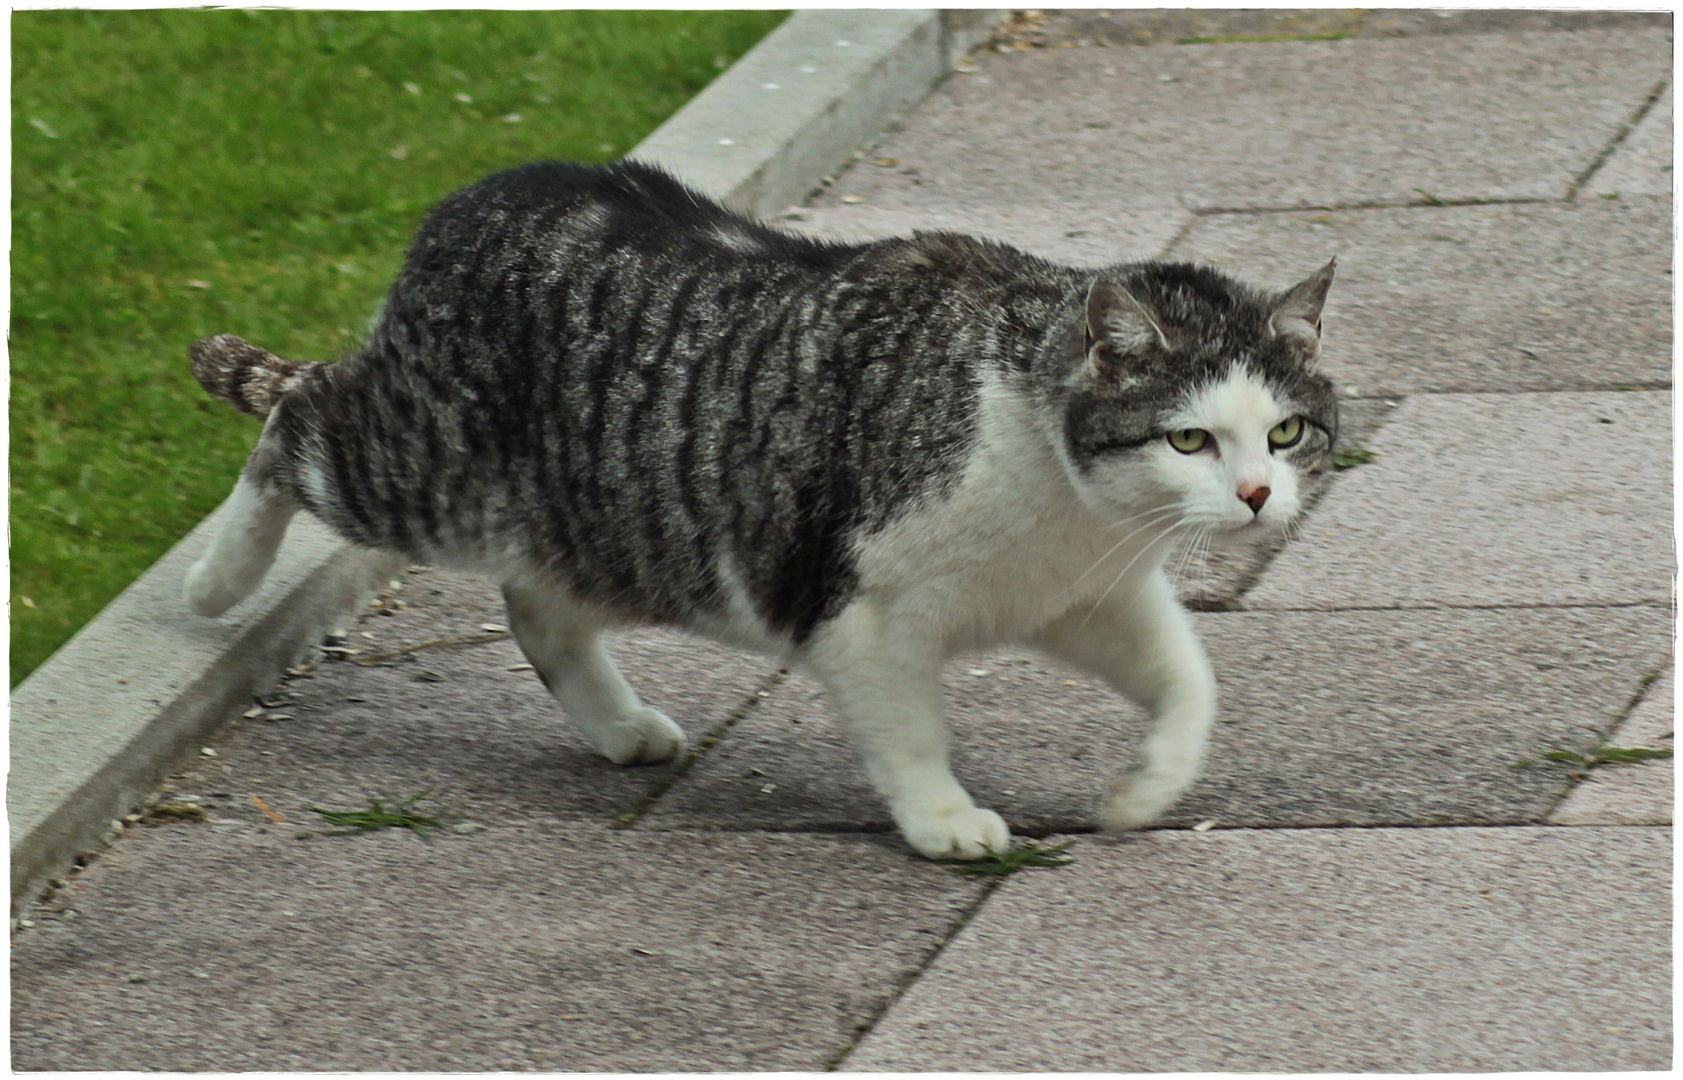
(1117,320)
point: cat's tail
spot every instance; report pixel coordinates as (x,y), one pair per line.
(250,379)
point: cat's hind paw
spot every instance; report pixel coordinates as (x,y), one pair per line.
(644,736)
(968,833)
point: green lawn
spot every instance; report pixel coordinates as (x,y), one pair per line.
(183,173)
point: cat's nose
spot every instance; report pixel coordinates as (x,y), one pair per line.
(1254,495)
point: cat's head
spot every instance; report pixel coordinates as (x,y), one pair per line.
(1185,389)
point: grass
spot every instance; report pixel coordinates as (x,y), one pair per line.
(1023,856)
(183,173)
(1349,459)
(1601,755)
(375,817)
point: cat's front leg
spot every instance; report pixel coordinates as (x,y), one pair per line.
(885,681)
(1143,645)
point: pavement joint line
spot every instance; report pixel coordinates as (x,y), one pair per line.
(1578,776)
(1541,605)
(1181,234)
(1428,203)
(1092,830)
(1586,388)
(1619,138)
(91,759)
(904,983)
(762,691)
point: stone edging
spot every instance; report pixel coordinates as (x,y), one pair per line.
(138,690)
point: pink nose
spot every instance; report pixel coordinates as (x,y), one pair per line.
(1253,496)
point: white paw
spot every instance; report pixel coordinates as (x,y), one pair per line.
(207,593)
(643,737)
(1139,799)
(967,833)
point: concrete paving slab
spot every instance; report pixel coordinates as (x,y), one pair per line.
(1441,950)
(533,947)
(1643,164)
(1521,297)
(1478,499)
(1279,125)
(1355,718)
(1170,26)
(1639,793)
(486,742)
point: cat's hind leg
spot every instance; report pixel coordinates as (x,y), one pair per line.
(253,522)
(562,640)
(888,692)
(1143,645)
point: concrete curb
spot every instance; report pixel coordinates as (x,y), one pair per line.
(763,135)
(136,692)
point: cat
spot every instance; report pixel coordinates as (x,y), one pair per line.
(624,402)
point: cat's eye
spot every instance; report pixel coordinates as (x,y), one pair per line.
(1189,440)
(1286,433)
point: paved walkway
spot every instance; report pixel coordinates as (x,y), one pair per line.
(1382,889)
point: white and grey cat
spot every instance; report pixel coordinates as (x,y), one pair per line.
(624,403)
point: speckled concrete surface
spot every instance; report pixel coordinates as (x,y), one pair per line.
(1355,951)
(553,947)
(1537,296)
(1258,125)
(1478,499)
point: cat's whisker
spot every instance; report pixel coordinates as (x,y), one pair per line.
(1180,560)
(1191,557)
(1204,562)
(1170,531)
(1117,524)
(1162,514)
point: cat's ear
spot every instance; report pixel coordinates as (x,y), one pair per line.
(1298,314)
(1117,318)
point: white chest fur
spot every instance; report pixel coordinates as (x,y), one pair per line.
(1011,548)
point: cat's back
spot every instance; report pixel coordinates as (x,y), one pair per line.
(540,211)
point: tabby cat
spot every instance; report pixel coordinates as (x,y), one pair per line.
(623,402)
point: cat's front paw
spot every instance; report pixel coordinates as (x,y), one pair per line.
(644,736)
(1137,800)
(967,833)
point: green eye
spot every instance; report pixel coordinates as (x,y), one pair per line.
(1286,433)
(1189,440)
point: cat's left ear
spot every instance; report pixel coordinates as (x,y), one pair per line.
(1298,314)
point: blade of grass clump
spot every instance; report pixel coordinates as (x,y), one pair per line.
(1349,459)
(1621,755)
(994,864)
(1601,755)
(376,817)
